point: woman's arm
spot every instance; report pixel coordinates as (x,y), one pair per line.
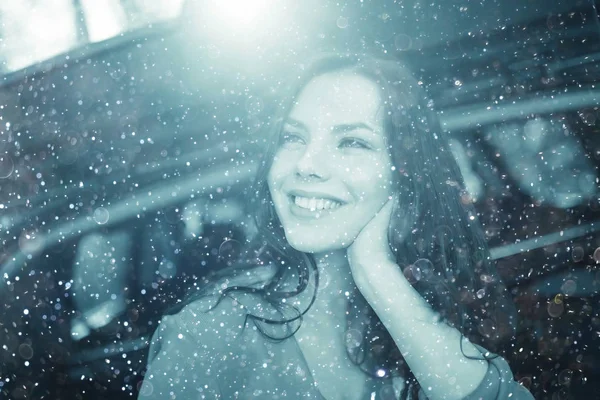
(432,348)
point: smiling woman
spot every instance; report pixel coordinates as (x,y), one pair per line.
(332,149)
(369,278)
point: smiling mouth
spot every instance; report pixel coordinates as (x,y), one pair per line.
(314,204)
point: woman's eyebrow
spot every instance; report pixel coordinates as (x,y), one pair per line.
(296,124)
(337,129)
(343,128)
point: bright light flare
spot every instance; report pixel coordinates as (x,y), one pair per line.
(248,21)
(239,35)
(240,13)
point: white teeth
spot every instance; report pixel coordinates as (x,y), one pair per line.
(301,202)
(320,204)
(316,204)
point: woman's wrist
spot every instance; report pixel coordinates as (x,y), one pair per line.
(383,284)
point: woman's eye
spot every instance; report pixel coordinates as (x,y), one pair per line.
(354,144)
(290,138)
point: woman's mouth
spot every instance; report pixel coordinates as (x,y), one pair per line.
(314,204)
(312,207)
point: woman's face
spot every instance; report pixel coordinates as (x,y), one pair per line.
(332,171)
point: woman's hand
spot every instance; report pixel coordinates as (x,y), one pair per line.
(434,351)
(370,256)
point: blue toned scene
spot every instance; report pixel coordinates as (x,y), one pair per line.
(285,199)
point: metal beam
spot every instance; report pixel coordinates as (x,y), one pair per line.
(470,117)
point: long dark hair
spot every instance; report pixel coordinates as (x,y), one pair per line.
(434,233)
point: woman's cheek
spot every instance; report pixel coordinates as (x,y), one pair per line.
(368,173)
(360,173)
(278,170)
(383,176)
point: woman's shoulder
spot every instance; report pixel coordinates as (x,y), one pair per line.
(205,314)
(218,311)
(187,349)
(203,326)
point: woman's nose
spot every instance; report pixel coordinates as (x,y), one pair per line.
(314,163)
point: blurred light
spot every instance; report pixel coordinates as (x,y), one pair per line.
(246,37)
(104,19)
(157,10)
(239,13)
(33,31)
(245,25)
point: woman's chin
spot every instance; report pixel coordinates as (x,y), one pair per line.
(316,246)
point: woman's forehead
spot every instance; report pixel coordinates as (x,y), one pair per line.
(337,98)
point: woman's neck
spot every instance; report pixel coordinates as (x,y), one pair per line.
(336,276)
(336,287)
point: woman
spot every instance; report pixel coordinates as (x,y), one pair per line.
(372,279)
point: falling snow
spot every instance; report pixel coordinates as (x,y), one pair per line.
(130,135)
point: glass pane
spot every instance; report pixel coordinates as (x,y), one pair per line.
(103,19)
(33,31)
(127,181)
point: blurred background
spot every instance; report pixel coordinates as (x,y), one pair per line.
(130,131)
